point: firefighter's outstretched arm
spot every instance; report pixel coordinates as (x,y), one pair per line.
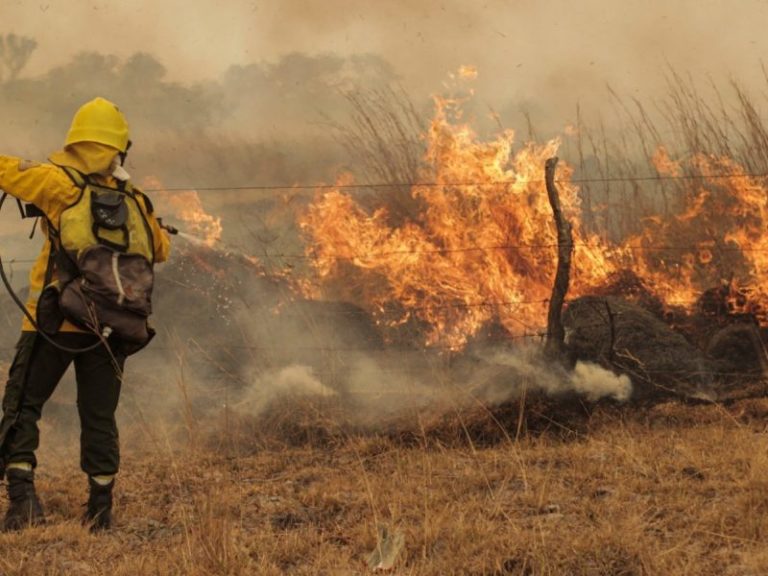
(43,185)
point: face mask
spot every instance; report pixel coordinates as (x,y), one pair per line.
(117,170)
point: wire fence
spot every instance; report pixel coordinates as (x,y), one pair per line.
(309,255)
(460,184)
(385,185)
(502,247)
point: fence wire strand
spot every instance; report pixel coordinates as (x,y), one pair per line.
(459,184)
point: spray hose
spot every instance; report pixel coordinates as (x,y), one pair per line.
(50,340)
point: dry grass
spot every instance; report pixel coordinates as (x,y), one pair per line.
(383,140)
(692,119)
(670,490)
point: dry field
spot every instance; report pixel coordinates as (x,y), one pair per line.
(670,490)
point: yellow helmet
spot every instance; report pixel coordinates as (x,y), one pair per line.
(99,121)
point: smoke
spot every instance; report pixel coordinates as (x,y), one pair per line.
(291,382)
(379,389)
(541,55)
(596,382)
(509,372)
(375,389)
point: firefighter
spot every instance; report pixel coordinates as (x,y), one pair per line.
(93,155)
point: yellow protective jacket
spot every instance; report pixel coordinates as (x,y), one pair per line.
(50,189)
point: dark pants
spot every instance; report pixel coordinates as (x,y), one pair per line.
(36,370)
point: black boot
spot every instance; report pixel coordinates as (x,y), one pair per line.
(24,508)
(99,512)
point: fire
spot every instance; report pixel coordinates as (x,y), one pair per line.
(481,248)
(185,205)
(480,245)
(718,239)
(467,72)
(664,164)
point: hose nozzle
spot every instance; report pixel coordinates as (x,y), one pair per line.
(167,227)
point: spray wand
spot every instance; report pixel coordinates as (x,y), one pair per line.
(167,227)
(176,232)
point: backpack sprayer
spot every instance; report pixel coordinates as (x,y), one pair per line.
(32,211)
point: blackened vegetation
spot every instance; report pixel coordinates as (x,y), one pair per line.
(628,339)
(713,353)
(227,324)
(242,321)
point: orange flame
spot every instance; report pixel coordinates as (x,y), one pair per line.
(480,244)
(482,247)
(186,206)
(718,239)
(467,72)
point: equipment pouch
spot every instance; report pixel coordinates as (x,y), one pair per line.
(108,208)
(113,292)
(49,315)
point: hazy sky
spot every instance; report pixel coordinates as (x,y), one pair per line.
(521,47)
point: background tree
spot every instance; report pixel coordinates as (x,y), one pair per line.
(15,52)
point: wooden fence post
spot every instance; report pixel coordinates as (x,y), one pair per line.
(555,343)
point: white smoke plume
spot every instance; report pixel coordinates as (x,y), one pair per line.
(294,381)
(373,390)
(596,382)
(509,372)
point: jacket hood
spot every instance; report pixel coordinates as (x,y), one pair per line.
(86,157)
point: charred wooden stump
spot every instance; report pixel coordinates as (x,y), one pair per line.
(628,339)
(729,334)
(628,286)
(738,353)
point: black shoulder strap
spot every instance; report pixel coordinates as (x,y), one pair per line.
(79,179)
(147,202)
(67,267)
